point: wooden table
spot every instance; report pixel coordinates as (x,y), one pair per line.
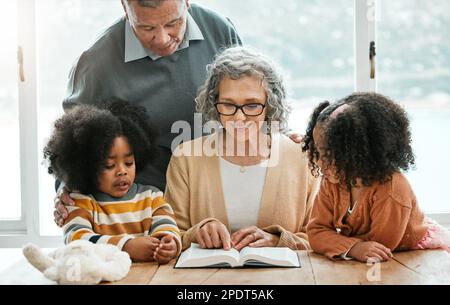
(414,267)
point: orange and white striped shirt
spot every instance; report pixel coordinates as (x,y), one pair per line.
(105,219)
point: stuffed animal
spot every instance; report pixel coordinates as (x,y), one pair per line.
(80,263)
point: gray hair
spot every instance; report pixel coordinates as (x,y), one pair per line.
(234,63)
(149,3)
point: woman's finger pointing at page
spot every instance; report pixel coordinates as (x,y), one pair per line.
(225,237)
(206,237)
(200,240)
(215,238)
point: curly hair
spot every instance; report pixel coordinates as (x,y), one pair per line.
(83,137)
(370,139)
(236,62)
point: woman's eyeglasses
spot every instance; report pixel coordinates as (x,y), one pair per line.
(228,109)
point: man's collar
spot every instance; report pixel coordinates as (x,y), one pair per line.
(134,50)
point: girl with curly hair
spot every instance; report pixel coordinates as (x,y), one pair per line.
(365,209)
(97,152)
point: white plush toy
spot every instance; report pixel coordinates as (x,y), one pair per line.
(80,263)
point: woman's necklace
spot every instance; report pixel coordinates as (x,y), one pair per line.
(243,168)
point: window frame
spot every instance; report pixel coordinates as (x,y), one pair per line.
(365,31)
(15,233)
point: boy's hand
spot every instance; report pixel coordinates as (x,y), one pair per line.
(141,249)
(166,250)
(364,250)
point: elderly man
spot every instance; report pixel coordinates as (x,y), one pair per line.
(155,56)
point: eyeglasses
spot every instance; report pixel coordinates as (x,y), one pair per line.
(228,109)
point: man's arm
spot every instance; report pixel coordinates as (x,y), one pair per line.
(82,86)
(235,39)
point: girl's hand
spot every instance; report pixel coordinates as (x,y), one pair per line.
(365,250)
(253,237)
(166,250)
(141,249)
(214,235)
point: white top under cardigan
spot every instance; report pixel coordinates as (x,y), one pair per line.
(242,188)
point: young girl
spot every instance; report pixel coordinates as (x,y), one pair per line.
(98,151)
(365,207)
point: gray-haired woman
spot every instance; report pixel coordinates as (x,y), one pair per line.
(246,184)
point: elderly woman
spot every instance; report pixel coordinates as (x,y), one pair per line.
(250,185)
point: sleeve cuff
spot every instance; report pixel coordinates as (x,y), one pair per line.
(123,240)
(345,257)
(288,239)
(342,249)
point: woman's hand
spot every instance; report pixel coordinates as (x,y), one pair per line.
(141,249)
(365,250)
(214,235)
(62,199)
(253,237)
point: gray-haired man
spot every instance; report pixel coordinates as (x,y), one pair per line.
(155,56)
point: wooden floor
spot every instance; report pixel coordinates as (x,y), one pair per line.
(414,267)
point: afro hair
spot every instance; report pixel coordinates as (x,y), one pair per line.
(370,139)
(83,137)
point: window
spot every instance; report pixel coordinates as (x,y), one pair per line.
(62,35)
(50,49)
(322,47)
(312,41)
(11,211)
(414,69)
(10,207)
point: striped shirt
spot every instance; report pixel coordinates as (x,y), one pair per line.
(101,218)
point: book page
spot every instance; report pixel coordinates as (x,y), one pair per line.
(198,257)
(276,256)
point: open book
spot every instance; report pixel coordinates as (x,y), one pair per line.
(196,257)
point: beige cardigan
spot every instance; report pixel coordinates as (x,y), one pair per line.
(194,189)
